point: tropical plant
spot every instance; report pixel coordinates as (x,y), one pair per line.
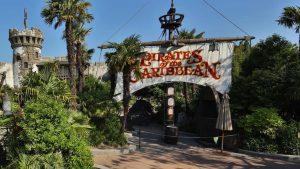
(45,129)
(240,54)
(186,34)
(291,18)
(103,111)
(259,130)
(287,138)
(45,82)
(83,55)
(47,161)
(95,98)
(69,12)
(124,60)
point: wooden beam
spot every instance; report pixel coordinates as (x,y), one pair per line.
(188,41)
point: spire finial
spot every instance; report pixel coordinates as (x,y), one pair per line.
(172,4)
(25,18)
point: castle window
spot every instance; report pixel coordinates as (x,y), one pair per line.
(25,65)
(28,39)
(37,54)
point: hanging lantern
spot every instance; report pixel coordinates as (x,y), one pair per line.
(170,91)
(171,102)
(6,105)
(170,112)
(213,47)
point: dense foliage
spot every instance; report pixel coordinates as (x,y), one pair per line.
(270,77)
(103,111)
(43,129)
(265,131)
(124,60)
(266,96)
(260,128)
(69,13)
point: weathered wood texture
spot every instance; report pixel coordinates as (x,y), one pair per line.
(188,41)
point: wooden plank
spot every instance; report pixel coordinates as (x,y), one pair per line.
(188,41)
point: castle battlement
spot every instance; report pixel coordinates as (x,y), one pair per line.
(27,37)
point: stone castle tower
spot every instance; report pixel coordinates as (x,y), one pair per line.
(27,45)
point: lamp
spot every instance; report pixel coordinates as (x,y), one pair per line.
(170,91)
(171,102)
(213,47)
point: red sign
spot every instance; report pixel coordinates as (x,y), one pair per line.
(180,63)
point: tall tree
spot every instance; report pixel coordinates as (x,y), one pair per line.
(82,54)
(124,60)
(68,12)
(291,19)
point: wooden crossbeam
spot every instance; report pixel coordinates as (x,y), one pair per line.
(188,41)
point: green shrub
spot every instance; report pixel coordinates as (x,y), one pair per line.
(112,131)
(76,153)
(288,140)
(96,136)
(108,131)
(103,111)
(46,129)
(46,161)
(259,130)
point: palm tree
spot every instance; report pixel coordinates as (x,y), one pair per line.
(82,54)
(185,34)
(68,12)
(291,18)
(124,60)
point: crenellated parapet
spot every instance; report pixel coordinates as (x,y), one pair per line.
(28,37)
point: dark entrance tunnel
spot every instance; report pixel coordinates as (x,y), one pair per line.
(200,118)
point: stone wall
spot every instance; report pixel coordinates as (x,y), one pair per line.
(8,68)
(96,69)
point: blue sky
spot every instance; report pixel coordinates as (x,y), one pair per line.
(257,17)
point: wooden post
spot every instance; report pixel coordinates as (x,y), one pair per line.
(139,133)
(222,144)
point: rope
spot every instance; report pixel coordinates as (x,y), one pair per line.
(129,20)
(125,24)
(185,137)
(226,18)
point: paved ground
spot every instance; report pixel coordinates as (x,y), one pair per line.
(186,155)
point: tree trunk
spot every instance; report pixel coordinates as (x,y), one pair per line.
(80,69)
(72,63)
(126,96)
(113,81)
(299,45)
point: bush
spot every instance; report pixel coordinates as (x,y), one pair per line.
(259,130)
(96,136)
(108,131)
(76,153)
(46,161)
(97,104)
(288,140)
(44,131)
(112,131)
